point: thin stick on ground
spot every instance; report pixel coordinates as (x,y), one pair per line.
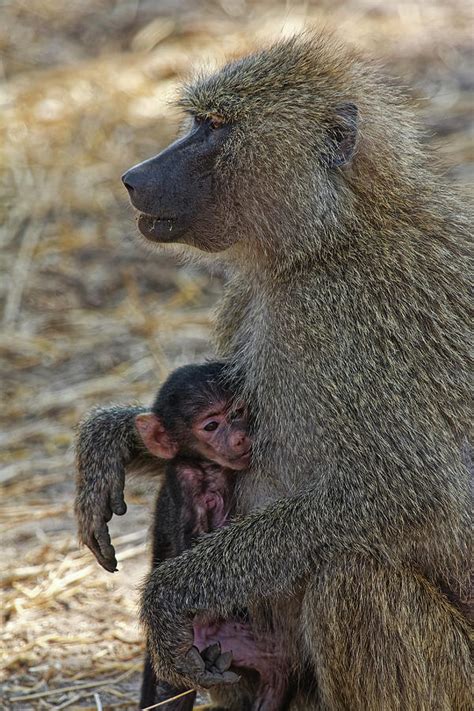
(69,702)
(167,701)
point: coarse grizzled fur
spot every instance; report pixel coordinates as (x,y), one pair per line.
(347,312)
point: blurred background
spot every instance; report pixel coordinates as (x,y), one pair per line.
(88,316)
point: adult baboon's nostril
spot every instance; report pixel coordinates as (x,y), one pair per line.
(127,180)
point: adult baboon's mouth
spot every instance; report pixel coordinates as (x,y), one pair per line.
(155,228)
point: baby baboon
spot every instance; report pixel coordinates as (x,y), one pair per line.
(118,438)
(196,425)
(347,315)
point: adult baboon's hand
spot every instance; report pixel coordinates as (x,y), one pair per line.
(170,636)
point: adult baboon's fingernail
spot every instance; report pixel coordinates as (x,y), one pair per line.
(211,653)
(194,657)
(224,661)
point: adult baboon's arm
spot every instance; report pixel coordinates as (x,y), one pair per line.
(266,554)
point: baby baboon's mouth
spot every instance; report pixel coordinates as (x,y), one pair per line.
(242,461)
(158,228)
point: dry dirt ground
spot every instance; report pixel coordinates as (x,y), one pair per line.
(90,317)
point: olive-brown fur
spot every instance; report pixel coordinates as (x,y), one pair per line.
(347,313)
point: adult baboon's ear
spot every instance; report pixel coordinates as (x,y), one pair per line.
(155,437)
(342,136)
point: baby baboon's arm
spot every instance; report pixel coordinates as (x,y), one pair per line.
(107,445)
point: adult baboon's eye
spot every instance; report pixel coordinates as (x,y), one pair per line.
(216,122)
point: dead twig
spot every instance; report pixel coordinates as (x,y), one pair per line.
(167,701)
(68,702)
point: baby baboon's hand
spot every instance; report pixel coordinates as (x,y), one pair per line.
(97,499)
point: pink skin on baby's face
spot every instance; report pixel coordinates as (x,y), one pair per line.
(218,434)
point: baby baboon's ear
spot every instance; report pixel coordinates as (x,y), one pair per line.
(342,136)
(155,437)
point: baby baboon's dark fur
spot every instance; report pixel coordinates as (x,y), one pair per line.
(107,445)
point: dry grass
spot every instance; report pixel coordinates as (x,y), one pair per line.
(88,317)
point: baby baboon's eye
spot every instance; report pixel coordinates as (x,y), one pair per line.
(211,426)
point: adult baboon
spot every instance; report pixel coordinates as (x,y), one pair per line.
(347,316)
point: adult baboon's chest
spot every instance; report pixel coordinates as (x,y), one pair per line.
(279,366)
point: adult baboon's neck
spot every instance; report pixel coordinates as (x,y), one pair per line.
(282,257)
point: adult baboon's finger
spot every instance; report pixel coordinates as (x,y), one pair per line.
(107,512)
(194,661)
(223,661)
(211,653)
